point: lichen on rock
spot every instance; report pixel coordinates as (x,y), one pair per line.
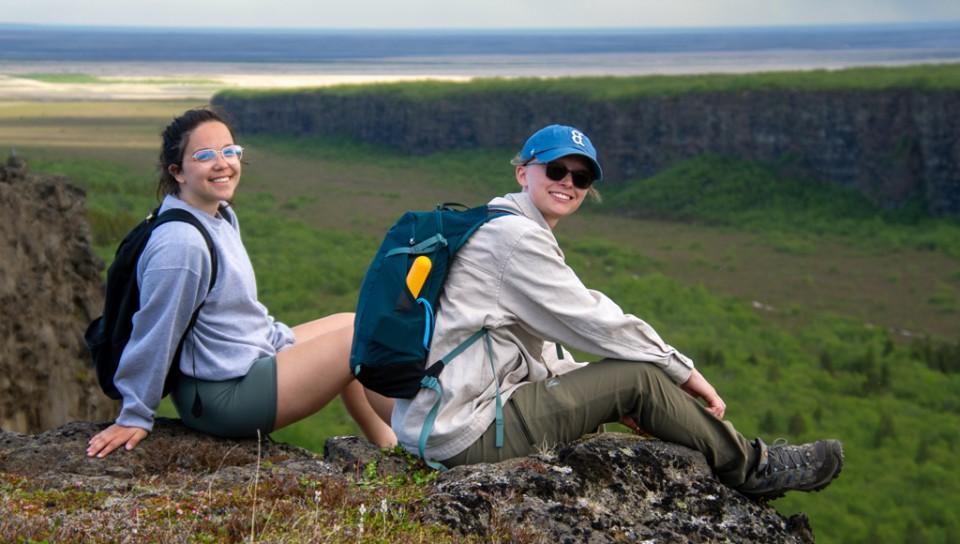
(608,487)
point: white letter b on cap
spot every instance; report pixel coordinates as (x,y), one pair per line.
(577,137)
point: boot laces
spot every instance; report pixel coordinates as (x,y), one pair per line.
(783,457)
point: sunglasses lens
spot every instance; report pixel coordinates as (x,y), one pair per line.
(205,155)
(556,172)
(581,179)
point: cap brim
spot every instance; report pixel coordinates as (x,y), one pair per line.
(557,152)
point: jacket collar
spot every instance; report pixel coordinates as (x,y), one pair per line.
(522,203)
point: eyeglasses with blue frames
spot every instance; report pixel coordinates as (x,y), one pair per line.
(231,152)
(557,171)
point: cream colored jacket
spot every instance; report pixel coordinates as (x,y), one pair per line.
(511,278)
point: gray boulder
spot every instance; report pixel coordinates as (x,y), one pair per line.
(607,488)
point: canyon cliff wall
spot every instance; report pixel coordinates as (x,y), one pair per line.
(50,288)
(893,146)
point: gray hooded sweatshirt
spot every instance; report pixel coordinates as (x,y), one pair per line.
(233,328)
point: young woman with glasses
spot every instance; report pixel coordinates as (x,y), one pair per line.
(511,279)
(251,374)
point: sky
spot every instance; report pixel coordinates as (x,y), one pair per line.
(472,14)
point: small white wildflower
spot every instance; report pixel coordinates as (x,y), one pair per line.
(363,510)
(316,495)
(383,505)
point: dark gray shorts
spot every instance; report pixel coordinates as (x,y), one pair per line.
(234,408)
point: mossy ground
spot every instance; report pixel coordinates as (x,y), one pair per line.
(273,508)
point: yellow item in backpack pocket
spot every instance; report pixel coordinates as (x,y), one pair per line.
(418,273)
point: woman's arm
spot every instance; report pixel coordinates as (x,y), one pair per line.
(174,272)
(550,300)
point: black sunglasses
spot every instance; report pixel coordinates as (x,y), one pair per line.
(582,179)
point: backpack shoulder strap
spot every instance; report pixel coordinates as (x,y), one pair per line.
(227,214)
(177,214)
(430,381)
(501,210)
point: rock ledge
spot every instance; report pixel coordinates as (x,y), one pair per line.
(603,488)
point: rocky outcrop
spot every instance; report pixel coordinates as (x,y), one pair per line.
(892,145)
(604,488)
(50,288)
(56,459)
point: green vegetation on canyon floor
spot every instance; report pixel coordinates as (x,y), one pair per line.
(814,314)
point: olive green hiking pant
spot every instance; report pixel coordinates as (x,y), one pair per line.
(561,409)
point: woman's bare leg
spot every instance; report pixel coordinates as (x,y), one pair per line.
(316,369)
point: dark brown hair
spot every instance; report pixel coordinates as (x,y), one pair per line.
(175,138)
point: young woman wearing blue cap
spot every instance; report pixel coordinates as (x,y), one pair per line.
(511,279)
(250,373)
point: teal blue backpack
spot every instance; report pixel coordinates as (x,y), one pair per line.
(393,327)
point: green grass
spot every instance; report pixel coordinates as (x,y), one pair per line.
(792,213)
(925,77)
(478,172)
(61,78)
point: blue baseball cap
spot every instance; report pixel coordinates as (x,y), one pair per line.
(555,141)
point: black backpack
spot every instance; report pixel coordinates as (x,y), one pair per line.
(108,334)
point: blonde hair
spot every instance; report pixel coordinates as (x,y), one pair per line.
(592,193)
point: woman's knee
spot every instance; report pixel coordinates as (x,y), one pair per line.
(332,322)
(324,325)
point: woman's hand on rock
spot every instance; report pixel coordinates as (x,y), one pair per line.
(113,437)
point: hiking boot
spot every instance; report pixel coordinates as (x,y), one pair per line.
(781,468)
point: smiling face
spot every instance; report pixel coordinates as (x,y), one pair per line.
(203,184)
(554,199)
